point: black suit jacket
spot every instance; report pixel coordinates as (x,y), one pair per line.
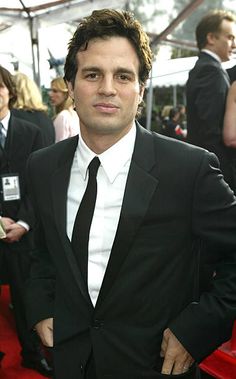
(174,197)
(206,92)
(42,120)
(22,139)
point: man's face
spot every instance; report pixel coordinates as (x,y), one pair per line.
(106,89)
(223,43)
(4,99)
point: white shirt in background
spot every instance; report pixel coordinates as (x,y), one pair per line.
(66,124)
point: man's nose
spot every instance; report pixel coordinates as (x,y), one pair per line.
(234,43)
(107,86)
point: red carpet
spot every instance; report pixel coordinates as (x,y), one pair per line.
(221,364)
(9,344)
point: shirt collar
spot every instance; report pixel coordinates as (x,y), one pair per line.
(214,55)
(5,121)
(113,159)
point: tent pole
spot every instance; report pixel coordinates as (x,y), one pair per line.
(35,49)
(34,43)
(174,95)
(149,104)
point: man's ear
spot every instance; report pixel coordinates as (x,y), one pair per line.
(70,89)
(211,37)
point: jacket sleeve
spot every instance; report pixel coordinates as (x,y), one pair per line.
(205,324)
(39,289)
(25,212)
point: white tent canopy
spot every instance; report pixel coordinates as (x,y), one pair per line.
(174,72)
(28,36)
(55,12)
(171,72)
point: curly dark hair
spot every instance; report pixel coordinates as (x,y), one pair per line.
(107,23)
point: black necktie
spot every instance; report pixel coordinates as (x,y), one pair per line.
(2,136)
(80,235)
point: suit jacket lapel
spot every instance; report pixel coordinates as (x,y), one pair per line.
(138,193)
(59,186)
(226,76)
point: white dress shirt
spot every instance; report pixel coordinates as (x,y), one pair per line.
(5,122)
(214,55)
(111,181)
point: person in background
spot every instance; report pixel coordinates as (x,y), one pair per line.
(121,214)
(229,129)
(172,127)
(182,119)
(165,112)
(66,121)
(207,88)
(29,106)
(232,73)
(18,139)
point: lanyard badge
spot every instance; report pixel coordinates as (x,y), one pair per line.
(10,187)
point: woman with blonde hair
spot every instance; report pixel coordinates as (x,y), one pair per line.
(66,121)
(29,106)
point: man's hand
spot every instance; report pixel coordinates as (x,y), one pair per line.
(44,329)
(176,359)
(14,232)
(6,221)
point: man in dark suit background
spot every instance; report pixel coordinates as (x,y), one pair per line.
(18,139)
(126,304)
(207,89)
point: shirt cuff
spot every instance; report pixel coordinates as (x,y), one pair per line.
(24,224)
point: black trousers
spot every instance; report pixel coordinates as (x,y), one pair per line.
(17,263)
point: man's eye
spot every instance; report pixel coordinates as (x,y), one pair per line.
(92,75)
(123,77)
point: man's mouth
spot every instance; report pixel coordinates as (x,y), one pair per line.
(106,107)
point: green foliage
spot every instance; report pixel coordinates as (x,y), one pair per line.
(146,11)
(178,52)
(186,30)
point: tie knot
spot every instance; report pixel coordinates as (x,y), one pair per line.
(93,166)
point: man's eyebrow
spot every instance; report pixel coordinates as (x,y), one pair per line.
(91,68)
(125,70)
(117,70)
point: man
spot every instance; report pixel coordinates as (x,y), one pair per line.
(207,88)
(125,304)
(18,139)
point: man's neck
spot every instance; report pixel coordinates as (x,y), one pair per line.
(3,113)
(212,54)
(99,143)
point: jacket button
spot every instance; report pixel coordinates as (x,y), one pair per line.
(97,324)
